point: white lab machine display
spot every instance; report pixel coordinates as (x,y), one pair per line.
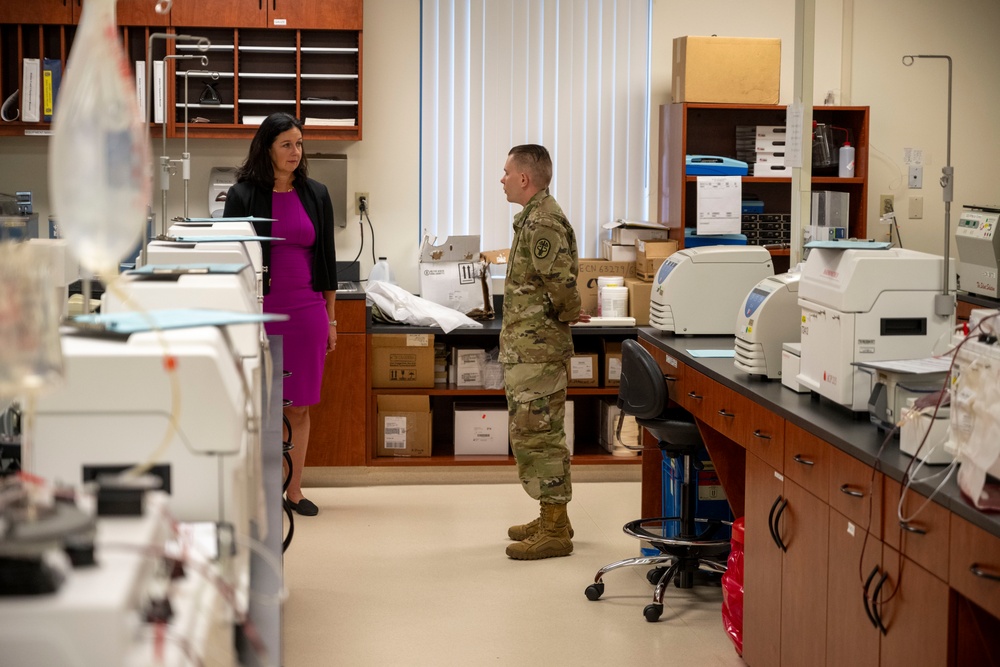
(768,318)
(866,305)
(698,290)
(115,410)
(974,433)
(96,617)
(978,249)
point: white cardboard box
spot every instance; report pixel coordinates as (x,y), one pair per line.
(480,429)
(453,274)
(617,253)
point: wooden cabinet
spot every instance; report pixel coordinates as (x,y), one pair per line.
(710,129)
(296,14)
(308,64)
(45,12)
(339,422)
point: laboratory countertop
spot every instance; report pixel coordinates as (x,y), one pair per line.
(852,433)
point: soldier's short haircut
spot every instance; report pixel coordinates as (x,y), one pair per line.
(535,160)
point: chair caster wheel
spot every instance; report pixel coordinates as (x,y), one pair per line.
(652,612)
(654,575)
(594,591)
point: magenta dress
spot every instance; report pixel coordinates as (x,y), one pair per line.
(306,333)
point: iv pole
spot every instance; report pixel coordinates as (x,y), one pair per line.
(944,303)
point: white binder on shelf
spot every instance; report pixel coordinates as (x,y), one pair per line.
(140,88)
(31,97)
(159,103)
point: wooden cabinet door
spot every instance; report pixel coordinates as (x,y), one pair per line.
(913,605)
(804,528)
(338,422)
(339,15)
(140,13)
(37,11)
(761,566)
(851,638)
(216,13)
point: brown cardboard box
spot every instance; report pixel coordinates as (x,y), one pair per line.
(649,255)
(590,271)
(402,360)
(734,70)
(639,294)
(612,352)
(584,370)
(404,426)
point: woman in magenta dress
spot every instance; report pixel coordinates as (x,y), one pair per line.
(301,270)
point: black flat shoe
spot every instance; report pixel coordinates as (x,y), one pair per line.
(305,507)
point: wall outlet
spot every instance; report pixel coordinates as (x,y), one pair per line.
(358,196)
(886,205)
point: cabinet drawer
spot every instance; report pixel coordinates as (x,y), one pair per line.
(727,411)
(673,374)
(975,564)
(765,435)
(807,461)
(856,491)
(926,539)
(691,390)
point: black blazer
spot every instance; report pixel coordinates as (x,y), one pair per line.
(244,199)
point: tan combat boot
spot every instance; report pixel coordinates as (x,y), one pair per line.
(525,530)
(551,539)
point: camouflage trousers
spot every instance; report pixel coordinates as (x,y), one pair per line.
(536,405)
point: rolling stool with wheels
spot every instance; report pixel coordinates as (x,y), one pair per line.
(686,543)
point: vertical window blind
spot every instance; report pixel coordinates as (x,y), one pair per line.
(572,75)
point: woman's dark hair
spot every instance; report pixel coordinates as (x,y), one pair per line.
(257,168)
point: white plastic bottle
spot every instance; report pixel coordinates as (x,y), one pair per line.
(382,271)
(845,168)
(99,161)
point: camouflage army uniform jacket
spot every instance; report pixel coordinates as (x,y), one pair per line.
(540,293)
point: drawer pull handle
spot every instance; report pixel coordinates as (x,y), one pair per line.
(777,518)
(670,378)
(762,436)
(806,462)
(979,572)
(864,597)
(695,396)
(723,413)
(905,525)
(846,489)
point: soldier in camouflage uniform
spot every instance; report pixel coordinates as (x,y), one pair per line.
(540,301)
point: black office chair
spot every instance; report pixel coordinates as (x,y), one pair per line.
(685,543)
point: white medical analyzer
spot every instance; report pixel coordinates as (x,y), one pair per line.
(698,290)
(978,242)
(769,317)
(866,305)
(115,408)
(211,250)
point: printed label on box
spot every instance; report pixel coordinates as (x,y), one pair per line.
(614,369)
(395,432)
(581,368)
(417,340)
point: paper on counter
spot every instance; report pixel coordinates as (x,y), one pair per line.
(720,204)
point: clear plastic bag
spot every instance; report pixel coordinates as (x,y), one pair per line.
(99,158)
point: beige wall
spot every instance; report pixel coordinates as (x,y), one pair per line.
(908,108)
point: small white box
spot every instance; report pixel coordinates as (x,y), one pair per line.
(770,145)
(480,429)
(772,170)
(617,253)
(469,365)
(776,157)
(770,132)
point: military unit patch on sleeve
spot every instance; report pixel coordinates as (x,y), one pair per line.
(542,248)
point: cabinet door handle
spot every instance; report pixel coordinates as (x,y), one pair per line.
(979,572)
(695,396)
(777,518)
(762,436)
(770,522)
(864,597)
(806,462)
(723,413)
(846,489)
(878,616)
(905,525)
